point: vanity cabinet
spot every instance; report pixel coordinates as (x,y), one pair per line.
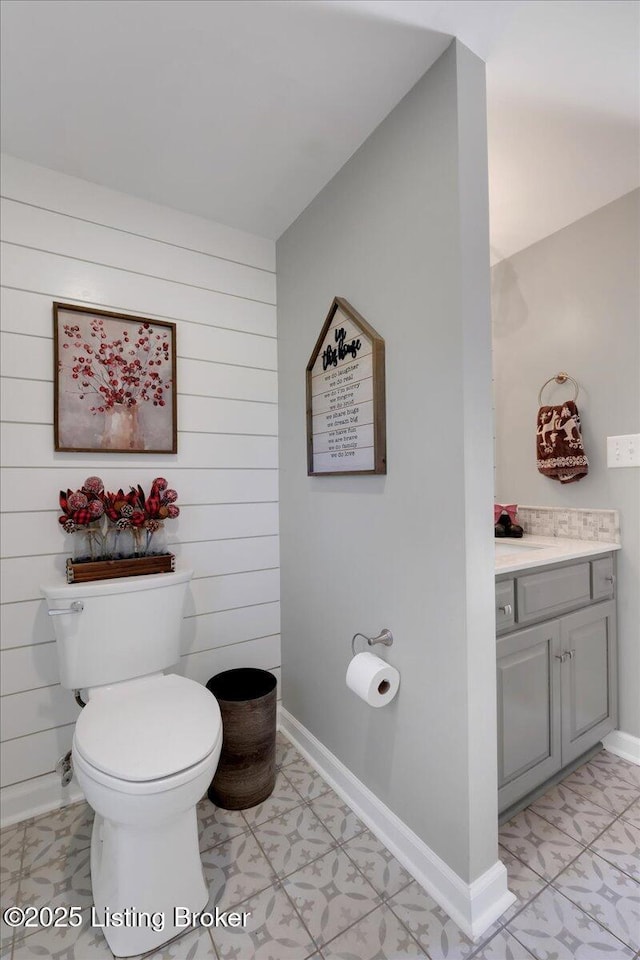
(556,679)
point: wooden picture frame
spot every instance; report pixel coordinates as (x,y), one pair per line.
(114,382)
(345,384)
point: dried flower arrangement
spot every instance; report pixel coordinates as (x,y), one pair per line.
(116,526)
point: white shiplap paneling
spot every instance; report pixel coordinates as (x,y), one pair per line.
(30,445)
(75,242)
(26,489)
(107,288)
(40,229)
(87,201)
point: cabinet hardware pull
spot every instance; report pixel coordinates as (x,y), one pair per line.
(610,580)
(507,609)
(566,655)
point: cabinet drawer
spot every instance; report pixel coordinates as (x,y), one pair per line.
(505,604)
(602,578)
(548,593)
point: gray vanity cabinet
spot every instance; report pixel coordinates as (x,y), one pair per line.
(588,671)
(556,680)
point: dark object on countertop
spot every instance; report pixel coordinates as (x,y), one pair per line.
(505,527)
(246,773)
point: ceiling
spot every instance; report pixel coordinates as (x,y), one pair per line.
(243,111)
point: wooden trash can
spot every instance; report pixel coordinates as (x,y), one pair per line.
(246,773)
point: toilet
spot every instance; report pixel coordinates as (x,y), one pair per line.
(145,748)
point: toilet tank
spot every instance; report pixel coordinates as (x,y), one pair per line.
(127,628)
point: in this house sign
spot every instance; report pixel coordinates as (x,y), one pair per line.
(346,430)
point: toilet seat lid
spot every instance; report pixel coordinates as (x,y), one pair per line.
(150,729)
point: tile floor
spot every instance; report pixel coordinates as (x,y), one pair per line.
(319,885)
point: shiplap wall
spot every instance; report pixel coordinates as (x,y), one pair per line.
(65,239)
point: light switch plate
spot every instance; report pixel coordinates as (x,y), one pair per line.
(624,451)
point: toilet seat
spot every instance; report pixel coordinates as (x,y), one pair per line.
(148,731)
(145,788)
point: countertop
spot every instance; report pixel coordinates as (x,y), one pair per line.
(523,556)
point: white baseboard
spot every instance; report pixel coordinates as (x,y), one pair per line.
(21,801)
(624,745)
(472,906)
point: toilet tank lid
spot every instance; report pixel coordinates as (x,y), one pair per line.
(149,730)
(118,585)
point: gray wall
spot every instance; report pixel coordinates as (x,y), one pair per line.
(571,302)
(402,233)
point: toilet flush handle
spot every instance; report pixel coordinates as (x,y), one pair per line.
(76,607)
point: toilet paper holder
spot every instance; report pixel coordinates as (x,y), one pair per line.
(385,637)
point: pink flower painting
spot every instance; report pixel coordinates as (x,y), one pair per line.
(115,382)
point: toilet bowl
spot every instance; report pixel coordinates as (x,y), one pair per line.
(144,753)
(145,749)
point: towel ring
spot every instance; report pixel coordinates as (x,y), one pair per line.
(559,378)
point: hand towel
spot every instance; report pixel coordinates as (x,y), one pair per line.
(559,443)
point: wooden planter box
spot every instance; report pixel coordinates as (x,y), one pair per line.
(108,569)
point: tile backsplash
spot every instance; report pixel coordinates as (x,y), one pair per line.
(576,524)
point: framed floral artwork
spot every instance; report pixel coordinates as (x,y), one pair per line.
(114,382)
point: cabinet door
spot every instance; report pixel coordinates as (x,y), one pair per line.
(528,710)
(588,648)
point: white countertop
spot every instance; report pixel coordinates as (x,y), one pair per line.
(531,551)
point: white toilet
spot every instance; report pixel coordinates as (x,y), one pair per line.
(145,749)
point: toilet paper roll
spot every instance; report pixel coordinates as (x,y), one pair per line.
(375,681)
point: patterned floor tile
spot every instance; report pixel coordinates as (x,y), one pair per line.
(616,765)
(379,866)
(503,947)
(602,787)
(235,870)
(64,943)
(522,882)
(293,839)
(52,838)
(539,844)
(433,929)
(553,927)
(632,814)
(620,845)
(283,798)
(330,894)
(338,818)
(11,843)
(574,814)
(66,884)
(216,825)
(306,780)
(195,945)
(606,894)
(8,898)
(273,931)
(378,936)
(285,751)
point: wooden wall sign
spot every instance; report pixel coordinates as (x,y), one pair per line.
(346,430)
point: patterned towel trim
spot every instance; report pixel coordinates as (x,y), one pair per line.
(563,462)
